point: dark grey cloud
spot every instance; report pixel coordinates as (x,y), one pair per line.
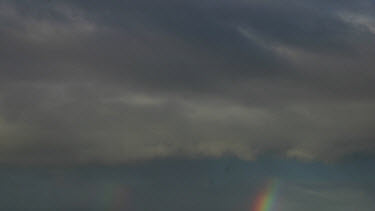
(119,81)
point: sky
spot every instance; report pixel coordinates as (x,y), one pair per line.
(187,105)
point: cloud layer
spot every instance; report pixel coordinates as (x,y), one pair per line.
(120,81)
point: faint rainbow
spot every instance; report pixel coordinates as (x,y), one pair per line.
(266,197)
(115,197)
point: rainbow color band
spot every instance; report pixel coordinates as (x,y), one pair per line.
(266,198)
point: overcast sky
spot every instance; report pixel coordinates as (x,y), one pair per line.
(118,81)
(187,105)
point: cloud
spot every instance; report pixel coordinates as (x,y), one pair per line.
(122,81)
(363,21)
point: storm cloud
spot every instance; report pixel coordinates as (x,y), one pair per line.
(118,81)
